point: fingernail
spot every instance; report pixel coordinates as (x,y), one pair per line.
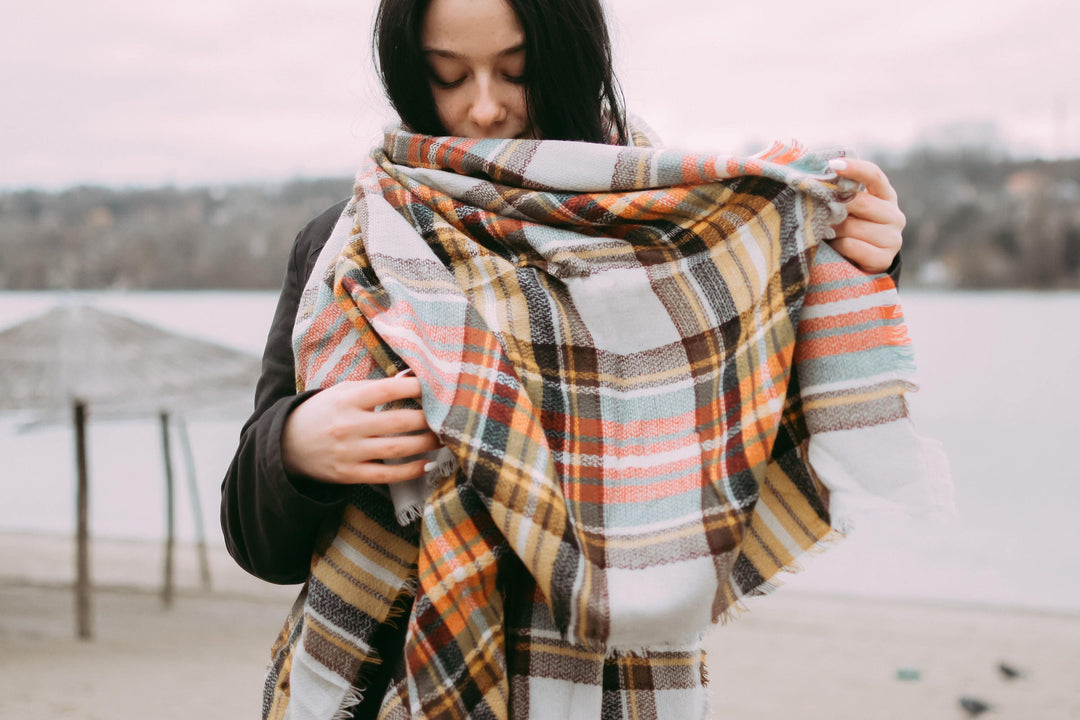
(403,373)
(838,164)
(431,466)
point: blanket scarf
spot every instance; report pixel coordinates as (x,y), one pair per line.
(656,387)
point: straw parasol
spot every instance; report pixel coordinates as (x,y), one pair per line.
(78,357)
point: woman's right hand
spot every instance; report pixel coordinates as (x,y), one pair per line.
(337,437)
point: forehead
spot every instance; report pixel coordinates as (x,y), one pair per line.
(471,27)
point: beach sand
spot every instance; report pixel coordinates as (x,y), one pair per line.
(795,654)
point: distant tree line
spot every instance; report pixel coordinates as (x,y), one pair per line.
(976,219)
(84,238)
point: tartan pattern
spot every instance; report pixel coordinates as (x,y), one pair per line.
(606,341)
(551,679)
(323,649)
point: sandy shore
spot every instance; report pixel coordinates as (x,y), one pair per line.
(794,655)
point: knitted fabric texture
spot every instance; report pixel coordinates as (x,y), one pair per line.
(609,344)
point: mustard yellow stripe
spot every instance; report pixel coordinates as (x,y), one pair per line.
(334,639)
(364,590)
(567,651)
(785,500)
(401,551)
(768,553)
(878,394)
(690,531)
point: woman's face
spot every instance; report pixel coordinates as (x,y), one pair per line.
(476,52)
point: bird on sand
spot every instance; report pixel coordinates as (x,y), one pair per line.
(974,706)
(1009,672)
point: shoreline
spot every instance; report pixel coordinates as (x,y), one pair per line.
(790,656)
(792,653)
(133,565)
(274,594)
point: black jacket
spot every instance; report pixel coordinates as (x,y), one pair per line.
(271,519)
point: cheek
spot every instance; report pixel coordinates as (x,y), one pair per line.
(444,104)
(520,106)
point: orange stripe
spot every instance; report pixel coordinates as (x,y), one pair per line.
(852,342)
(830,322)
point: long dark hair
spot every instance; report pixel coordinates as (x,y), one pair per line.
(571,91)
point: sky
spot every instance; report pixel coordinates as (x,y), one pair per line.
(136,93)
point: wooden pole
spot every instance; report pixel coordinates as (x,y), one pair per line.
(196,506)
(82,527)
(167,587)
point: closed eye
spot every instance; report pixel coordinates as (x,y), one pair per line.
(445,83)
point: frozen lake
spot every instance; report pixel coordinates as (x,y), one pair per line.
(995,371)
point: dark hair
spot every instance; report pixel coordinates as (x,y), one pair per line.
(571,92)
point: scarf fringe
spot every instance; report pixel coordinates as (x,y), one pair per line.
(409,510)
(408,514)
(352,698)
(739,607)
(841,528)
(360,685)
(641,651)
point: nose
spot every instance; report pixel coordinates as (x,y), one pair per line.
(487,110)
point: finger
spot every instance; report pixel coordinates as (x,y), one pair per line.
(379,473)
(390,422)
(868,258)
(401,446)
(882,236)
(369,394)
(867,173)
(866,206)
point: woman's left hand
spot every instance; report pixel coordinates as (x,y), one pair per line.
(870,237)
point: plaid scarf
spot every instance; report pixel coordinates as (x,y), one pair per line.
(609,345)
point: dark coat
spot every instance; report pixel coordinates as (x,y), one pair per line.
(271,519)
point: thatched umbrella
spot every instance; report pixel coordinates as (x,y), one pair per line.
(74,356)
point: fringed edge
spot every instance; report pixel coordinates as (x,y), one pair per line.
(446,464)
(409,514)
(807,170)
(410,588)
(692,640)
(356,692)
(353,697)
(776,581)
(837,532)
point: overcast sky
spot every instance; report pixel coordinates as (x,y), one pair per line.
(146,93)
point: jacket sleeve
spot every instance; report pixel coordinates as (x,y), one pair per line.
(894,270)
(270,518)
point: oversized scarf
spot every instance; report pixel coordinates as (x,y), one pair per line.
(657,387)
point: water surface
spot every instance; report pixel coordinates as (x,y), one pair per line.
(997,390)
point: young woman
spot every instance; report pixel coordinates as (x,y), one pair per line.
(529,69)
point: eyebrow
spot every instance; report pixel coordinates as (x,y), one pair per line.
(520,47)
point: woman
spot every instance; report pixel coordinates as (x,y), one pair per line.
(473,69)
